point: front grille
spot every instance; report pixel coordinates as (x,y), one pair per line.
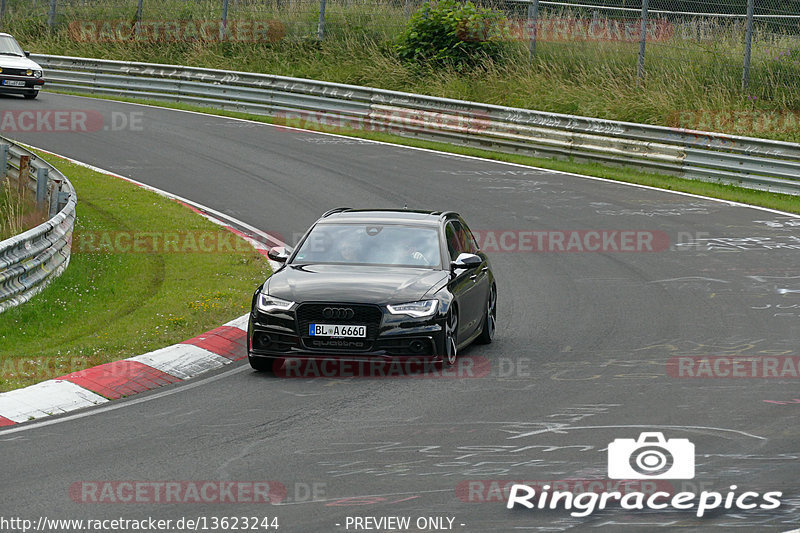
(364,315)
(15,71)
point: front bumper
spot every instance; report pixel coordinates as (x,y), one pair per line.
(283,335)
(30,84)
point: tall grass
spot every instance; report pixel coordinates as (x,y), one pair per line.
(693,79)
(18,212)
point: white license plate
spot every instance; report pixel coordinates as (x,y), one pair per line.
(14,83)
(333,330)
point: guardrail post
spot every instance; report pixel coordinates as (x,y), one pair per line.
(642,43)
(24,172)
(533,23)
(54,194)
(63,198)
(748,42)
(42,178)
(3,160)
(321,23)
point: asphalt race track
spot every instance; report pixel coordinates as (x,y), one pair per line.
(580,359)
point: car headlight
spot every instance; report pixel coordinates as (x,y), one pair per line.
(415,309)
(267,304)
(37,74)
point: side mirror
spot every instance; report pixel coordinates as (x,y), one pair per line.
(27,53)
(466,261)
(279,254)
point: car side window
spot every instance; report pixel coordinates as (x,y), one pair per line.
(455,244)
(470,243)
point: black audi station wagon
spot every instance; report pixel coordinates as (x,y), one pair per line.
(375,283)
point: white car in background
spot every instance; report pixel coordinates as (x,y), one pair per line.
(18,73)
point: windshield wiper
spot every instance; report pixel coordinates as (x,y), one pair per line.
(10,54)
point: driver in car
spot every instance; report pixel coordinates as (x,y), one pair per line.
(349,250)
(416,253)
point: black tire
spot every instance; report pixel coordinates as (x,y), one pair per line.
(450,339)
(31,96)
(260,364)
(489,318)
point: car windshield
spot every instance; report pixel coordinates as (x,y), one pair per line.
(367,244)
(9,46)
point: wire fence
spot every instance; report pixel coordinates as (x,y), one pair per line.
(733,42)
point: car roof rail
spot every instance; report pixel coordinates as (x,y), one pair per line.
(334,210)
(446,214)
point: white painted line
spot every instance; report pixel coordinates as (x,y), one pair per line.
(206,211)
(47,398)
(127,402)
(183,361)
(444,154)
(240,322)
(268,237)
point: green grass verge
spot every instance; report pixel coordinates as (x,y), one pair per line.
(781,202)
(109,306)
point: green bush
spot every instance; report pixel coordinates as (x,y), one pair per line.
(451,33)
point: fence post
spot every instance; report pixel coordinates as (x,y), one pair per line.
(533,23)
(139,10)
(748,43)
(642,43)
(223,30)
(24,173)
(3,160)
(321,23)
(41,185)
(2,11)
(51,15)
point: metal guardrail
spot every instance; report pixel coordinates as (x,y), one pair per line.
(29,261)
(748,162)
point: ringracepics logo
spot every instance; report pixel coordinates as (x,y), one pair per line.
(650,456)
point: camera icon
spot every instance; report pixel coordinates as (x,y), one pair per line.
(651,457)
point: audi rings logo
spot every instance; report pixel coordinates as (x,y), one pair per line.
(344,313)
